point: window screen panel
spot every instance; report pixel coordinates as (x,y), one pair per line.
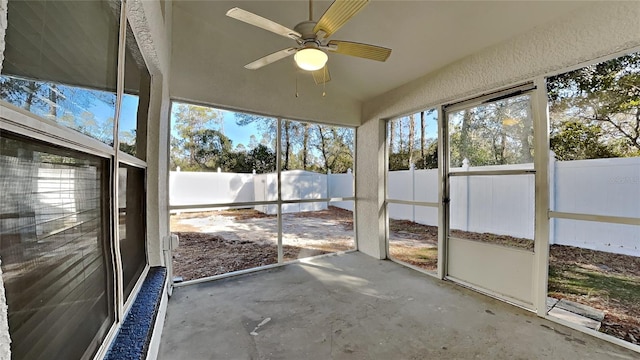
(131,222)
(54,245)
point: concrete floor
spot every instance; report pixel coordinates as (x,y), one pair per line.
(355,307)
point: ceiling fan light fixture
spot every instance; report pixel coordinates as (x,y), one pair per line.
(310,59)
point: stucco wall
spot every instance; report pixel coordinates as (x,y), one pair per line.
(152,31)
(597,30)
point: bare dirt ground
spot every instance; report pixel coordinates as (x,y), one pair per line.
(218,242)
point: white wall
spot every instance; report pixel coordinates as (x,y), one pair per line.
(152,32)
(597,30)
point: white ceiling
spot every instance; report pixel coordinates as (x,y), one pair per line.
(424,35)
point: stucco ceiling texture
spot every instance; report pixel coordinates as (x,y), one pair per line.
(424,36)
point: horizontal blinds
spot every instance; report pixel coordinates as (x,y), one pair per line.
(54,249)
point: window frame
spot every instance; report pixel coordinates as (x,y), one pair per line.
(30,125)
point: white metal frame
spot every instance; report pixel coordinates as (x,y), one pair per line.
(543,214)
(540,114)
(387,200)
(523,89)
(278,202)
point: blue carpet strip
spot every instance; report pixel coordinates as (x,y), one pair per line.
(134,336)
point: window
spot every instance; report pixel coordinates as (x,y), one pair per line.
(54,244)
(131,222)
(61,157)
(61,63)
(132,126)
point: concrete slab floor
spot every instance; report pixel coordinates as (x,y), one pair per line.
(355,307)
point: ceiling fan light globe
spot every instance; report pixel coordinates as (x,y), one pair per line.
(310,59)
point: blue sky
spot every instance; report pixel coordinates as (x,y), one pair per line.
(431,130)
(128,112)
(237,134)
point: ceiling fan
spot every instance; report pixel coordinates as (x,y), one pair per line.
(312,38)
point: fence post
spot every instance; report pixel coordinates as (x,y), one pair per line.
(328,186)
(412,168)
(466,209)
(552,195)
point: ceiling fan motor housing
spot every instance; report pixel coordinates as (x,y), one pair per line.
(305,28)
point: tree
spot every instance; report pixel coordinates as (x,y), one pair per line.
(412,137)
(262,159)
(423,127)
(392,133)
(286,140)
(574,140)
(335,146)
(269,127)
(22,92)
(496,133)
(253,142)
(191,123)
(212,149)
(305,145)
(606,95)
(430,159)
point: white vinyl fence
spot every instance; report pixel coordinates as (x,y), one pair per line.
(504,204)
(203,188)
(501,205)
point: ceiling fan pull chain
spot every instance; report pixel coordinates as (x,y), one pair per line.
(324,81)
(296,84)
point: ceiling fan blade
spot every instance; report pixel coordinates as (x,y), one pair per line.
(337,15)
(321,76)
(271,58)
(366,51)
(259,21)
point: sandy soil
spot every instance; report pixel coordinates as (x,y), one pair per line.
(218,242)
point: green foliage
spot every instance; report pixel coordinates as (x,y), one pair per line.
(201,145)
(64,104)
(262,159)
(430,159)
(496,133)
(335,146)
(574,140)
(408,143)
(604,95)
